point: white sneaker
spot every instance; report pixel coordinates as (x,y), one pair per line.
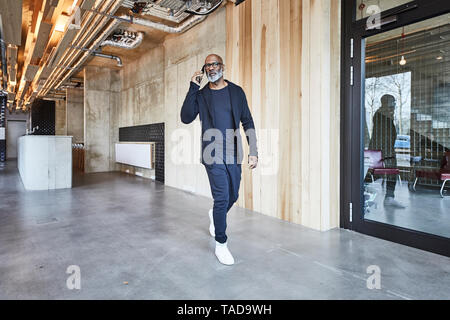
(212,230)
(223,254)
(391,202)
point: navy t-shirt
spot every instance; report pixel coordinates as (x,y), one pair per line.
(224,120)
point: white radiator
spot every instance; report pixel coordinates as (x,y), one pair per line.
(136,154)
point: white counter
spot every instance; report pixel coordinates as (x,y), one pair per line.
(45,162)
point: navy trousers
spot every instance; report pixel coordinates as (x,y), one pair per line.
(224,180)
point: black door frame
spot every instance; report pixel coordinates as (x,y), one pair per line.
(353,33)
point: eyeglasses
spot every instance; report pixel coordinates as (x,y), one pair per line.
(215,65)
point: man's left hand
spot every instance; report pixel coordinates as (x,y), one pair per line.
(252,162)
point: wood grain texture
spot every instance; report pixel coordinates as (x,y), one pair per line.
(30,72)
(239,69)
(294,54)
(42,37)
(11,17)
(11,54)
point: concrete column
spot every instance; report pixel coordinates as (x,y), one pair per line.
(75,114)
(60,118)
(101,94)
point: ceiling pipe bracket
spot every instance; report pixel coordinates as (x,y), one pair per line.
(108,56)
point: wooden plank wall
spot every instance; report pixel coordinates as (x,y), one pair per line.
(286,56)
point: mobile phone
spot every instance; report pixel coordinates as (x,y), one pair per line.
(199,78)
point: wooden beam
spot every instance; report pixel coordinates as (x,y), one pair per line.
(87,4)
(62,46)
(26,53)
(11,96)
(31,72)
(25,89)
(45,72)
(35,46)
(41,41)
(11,58)
(40,85)
(49,7)
(56,11)
(28,43)
(37,15)
(12,74)
(11,18)
(11,55)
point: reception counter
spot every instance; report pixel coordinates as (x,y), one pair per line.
(45,162)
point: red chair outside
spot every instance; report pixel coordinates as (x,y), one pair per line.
(443,174)
(377,165)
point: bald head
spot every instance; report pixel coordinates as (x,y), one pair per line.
(212,58)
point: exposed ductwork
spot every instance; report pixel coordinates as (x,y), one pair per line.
(204,11)
(172,10)
(88,41)
(124,39)
(108,56)
(97,23)
(162,27)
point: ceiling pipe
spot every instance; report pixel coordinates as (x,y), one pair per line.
(88,20)
(54,79)
(127,44)
(109,56)
(112,25)
(162,27)
(90,25)
(185,26)
(162,13)
(207,12)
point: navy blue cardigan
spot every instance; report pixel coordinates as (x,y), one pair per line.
(199,102)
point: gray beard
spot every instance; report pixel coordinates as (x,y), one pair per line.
(218,75)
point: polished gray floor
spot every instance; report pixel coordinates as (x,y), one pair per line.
(136,239)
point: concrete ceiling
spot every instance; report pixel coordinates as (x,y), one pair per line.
(152,39)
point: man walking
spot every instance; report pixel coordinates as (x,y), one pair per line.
(384,135)
(221,105)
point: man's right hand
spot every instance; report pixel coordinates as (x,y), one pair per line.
(194,77)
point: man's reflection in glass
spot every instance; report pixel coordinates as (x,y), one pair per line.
(383,138)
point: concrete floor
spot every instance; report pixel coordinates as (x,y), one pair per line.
(119,228)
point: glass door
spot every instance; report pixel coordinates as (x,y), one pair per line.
(397,121)
(406,121)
